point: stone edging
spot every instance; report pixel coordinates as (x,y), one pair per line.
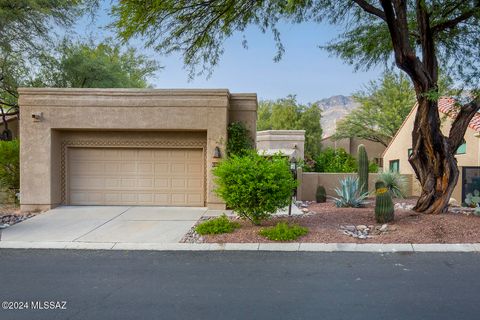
(299,247)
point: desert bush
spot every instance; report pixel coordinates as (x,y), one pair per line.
(283,232)
(217,225)
(10,166)
(350,194)
(394,182)
(254,186)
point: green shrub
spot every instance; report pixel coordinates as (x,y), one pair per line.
(321,194)
(254,186)
(373,167)
(10,166)
(335,160)
(394,182)
(283,232)
(216,226)
(239,141)
(350,194)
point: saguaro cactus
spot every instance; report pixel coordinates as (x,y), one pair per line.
(321,194)
(384,211)
(362,168)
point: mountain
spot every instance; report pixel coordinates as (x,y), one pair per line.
(334,109)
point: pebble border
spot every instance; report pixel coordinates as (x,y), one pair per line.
(292,247)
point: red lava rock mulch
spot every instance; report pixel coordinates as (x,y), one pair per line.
(324,226)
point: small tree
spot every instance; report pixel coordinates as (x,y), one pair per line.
(9,166)
(254,186)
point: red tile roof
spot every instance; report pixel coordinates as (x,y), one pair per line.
(447,106)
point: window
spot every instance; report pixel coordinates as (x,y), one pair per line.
(394,165)
(410,151)
(463,148)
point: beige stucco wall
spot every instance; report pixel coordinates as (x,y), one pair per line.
(243,108)
(95,112)
(309,181)
(398,149)
(272,140)
(374,149)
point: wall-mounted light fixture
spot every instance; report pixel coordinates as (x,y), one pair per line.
(217,154)
(37,116)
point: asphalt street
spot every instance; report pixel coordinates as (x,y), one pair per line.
(82,284)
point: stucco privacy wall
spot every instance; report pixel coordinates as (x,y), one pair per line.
(309,181)
(115,116)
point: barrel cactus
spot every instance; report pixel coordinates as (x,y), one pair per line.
(384,211)
(321,194)
(362,168)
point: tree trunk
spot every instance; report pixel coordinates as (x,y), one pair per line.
(432,159)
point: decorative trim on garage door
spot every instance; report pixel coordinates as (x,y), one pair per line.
(130,144)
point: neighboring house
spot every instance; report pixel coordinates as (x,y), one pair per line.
(374,149)
(288,142)
(125,146)
(13,125)
(396,155)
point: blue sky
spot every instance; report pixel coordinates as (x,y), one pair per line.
(305,69)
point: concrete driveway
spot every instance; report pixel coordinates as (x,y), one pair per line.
(114,224)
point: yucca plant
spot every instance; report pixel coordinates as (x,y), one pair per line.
(394,182)
(350,193)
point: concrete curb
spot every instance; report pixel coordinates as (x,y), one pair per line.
(292,247)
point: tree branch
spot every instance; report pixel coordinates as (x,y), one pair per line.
(367,7)
(452,23)
(460,124)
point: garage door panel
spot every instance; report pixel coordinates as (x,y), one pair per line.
(145,168)
(177,168)
(194,184)
(162,183)
(109,176)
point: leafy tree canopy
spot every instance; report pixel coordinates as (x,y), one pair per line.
(90,65)
(199,28)
(384,105)
(26,33)
(288,114)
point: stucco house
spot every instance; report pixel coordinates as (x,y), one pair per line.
(396,155)
(374,149)
(125,146)
(290,143)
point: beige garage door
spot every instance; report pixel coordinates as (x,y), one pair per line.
(121,176)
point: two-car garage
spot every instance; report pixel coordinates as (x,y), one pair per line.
(135,176)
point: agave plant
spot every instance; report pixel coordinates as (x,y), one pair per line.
(394,182)
(350,194)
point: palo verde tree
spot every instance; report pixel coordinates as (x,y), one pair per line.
(417,35)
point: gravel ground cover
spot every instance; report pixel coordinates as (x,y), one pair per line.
(328,223)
